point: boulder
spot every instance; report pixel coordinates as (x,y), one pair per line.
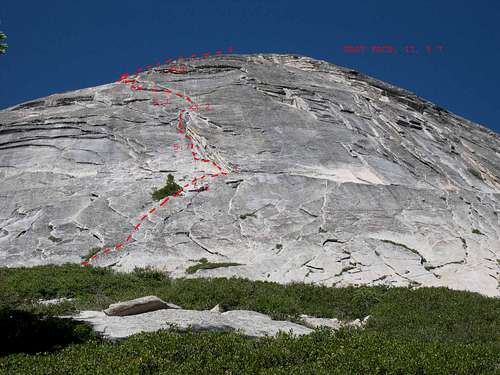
(313,322)
(54,301)
(138,306)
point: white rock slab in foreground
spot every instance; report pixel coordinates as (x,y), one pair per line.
(249,323)
(313,322)
(54,301)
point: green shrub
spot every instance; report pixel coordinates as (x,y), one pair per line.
(322,352)
(150,273)
(3,46)
(477,231)
(250,214)
(55,239)
(420,331)
(467,316)
(91,253)
(475,173)
(169,189)
(206,265)
(23,331)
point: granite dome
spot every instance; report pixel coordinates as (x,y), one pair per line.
(333,177)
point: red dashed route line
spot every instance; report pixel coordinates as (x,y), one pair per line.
(133,81)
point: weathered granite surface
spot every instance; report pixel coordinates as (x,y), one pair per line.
(337,178)
(248,323)
(138,306)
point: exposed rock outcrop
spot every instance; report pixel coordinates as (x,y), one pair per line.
(333,178)
(245,322)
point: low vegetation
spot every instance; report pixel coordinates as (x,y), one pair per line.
(170,188)
(3,45)
(250,214)
(54,239)
(475,173)
(91,253)
(204,264)
(419,331)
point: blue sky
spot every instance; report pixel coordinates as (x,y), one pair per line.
(56,46)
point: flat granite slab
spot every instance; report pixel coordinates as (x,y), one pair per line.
(248,323)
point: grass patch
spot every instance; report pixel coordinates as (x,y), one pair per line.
(250,214)
(449,314)
(204,264)
(91,253)
(23,331)
(170,188)
(54,239)
(323,352)
(475,173)
(421,331)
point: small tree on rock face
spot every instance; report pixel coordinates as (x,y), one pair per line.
(170,188)
(3,46)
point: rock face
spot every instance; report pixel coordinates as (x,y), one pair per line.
(332,177)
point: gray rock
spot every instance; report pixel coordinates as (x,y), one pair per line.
(54,301)
(248,323)
(334,178)
(216,309)
(220,308)
(254,324)
(313,322)
(138,306)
